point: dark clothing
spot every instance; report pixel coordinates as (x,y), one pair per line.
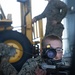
(57,29)
(55,10)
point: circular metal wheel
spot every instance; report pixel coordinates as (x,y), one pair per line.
(19,50)
(22,45)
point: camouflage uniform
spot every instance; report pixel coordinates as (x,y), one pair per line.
(8,69)
(27,69)
(52,12)
(5,66)
(30,66)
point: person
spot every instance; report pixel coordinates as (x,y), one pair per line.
(32,65)
(55,11)
(5,67)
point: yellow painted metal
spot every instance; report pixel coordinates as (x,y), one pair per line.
(40,31)
(2,28)
(29,27)
(30,30)
(5,24)
(40,28)
(19,50)
(26,20)
(23,18)
(5,20)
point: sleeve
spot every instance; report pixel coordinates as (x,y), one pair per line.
(63,10)
(28,68)
(8,69)
(43,14)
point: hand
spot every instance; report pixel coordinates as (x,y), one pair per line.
(39,71)
(33,20)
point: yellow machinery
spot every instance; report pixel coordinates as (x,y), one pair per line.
(32,31)
(23,42)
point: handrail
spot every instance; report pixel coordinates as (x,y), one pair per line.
(37,31)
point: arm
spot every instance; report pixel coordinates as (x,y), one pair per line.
(28,67)
(7,68)
(31,67)
(42,15)
(63,7)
